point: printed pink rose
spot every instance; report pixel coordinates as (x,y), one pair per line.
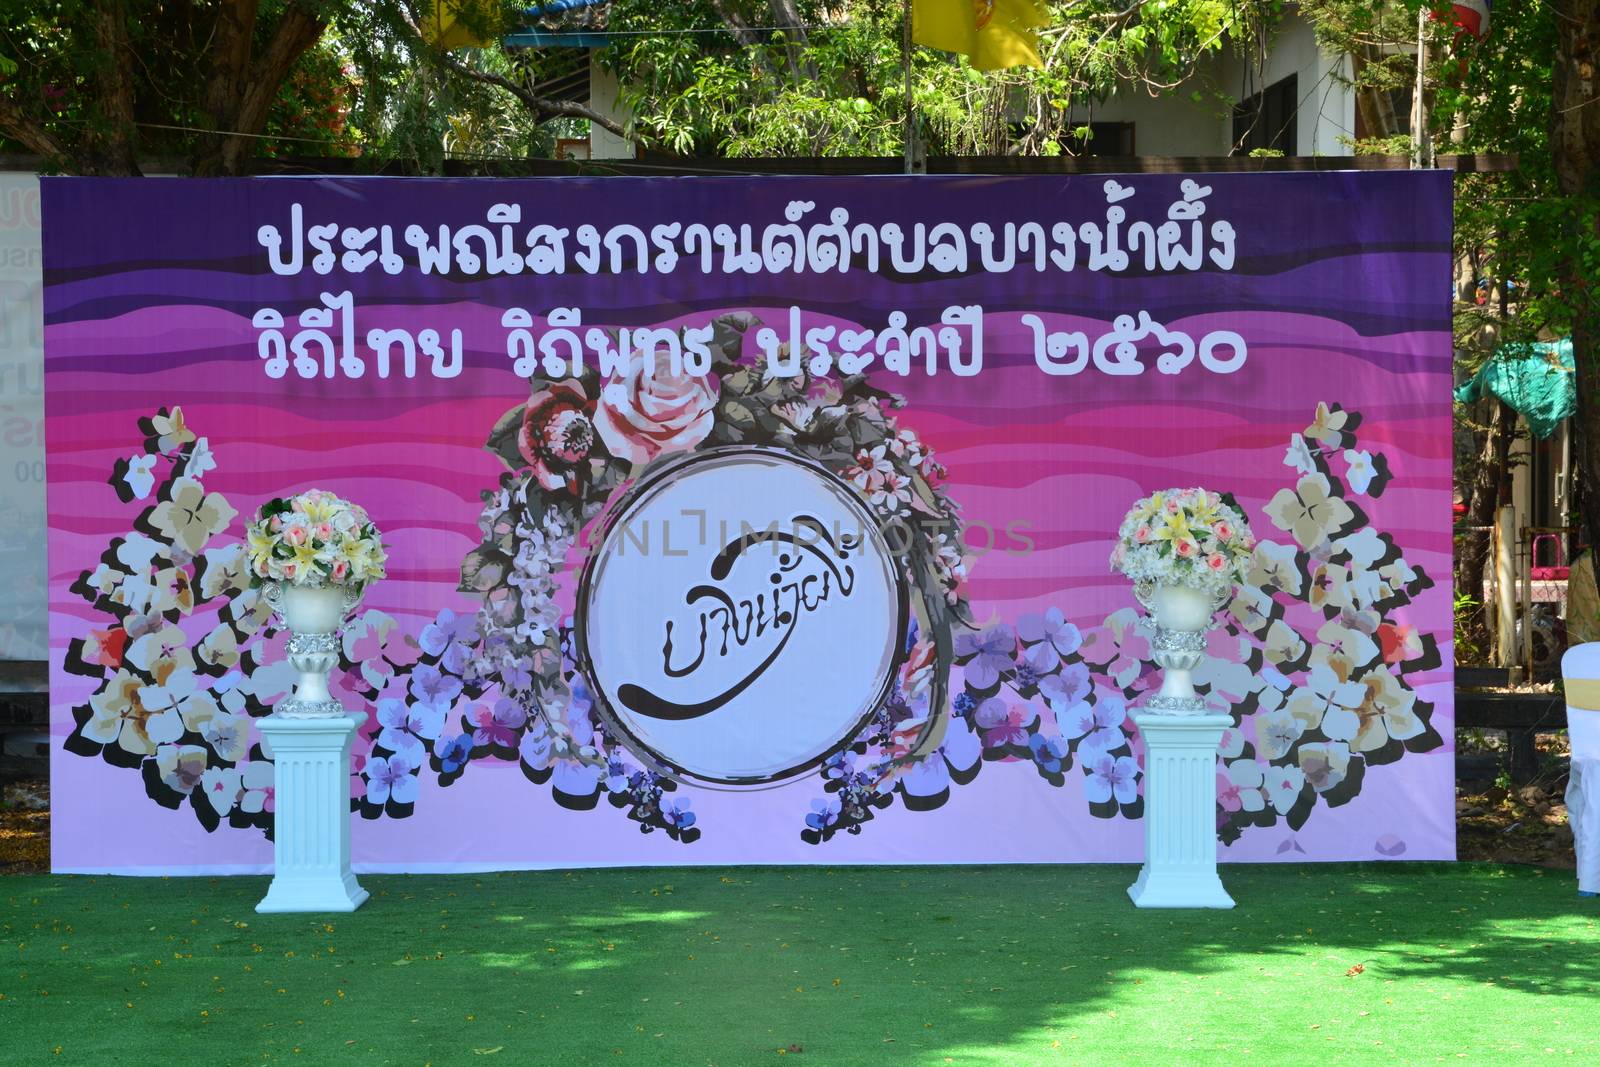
(642,416)
(557,434)
(1216,563)
(1223,531)
(295,535)
(1142,535)
(1185,548)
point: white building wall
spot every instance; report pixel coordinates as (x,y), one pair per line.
(1174,125)
(603,92)
(1327,105)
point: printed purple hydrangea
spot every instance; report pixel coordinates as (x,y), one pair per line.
(993,652)
(390,778)
(1049,637)
(824,813)
(1112,776)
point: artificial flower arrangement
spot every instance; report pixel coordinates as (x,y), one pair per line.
(1186,537)
(315,538)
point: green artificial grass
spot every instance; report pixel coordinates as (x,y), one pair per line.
(733,966)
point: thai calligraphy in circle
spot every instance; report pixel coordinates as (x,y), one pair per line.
(741,618)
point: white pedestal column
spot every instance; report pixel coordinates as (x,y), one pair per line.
(311,857)
(1180,805)
(1583,813)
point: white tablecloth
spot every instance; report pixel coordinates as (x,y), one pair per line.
(1583,813)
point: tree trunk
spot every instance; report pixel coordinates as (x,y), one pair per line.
(239,91)
(113,140)
(1485,499)
(1575,148)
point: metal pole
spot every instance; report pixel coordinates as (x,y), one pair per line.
(911,114)
(1420,154)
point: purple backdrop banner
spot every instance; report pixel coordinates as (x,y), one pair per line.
(749,520)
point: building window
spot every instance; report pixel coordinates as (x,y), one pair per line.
(1105,139)
(1267,119)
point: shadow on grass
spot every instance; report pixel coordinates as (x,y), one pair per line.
(842,965)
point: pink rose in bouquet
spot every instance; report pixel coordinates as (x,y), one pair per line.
(643,415)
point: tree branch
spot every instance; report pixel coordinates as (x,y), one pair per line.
(299,29)
(23,127)
(736,24)
(239,93)
(539,105)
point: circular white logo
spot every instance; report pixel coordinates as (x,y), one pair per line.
(741,617)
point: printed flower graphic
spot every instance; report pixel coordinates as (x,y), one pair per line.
(1049,637)
(1276,733)
(644,415)
(1325,692)
(1277,567)
(993,651)
(1001,724)
(221,787)
(408,729)
(1328,426)
(1245,779)
(192,516)
(498,725)
(824,813)
(1359,470)
(1298,456)
(1099,726)
(675,812)
(181,767)
(258,779)
(228,735)
(557,434)
(140,477)
(455,752)
(1283,786)
(1387,712)
(1325,764)
(1112,776)
(200,459)
(390,778)
(118,716)
(1309,512)
(171,430)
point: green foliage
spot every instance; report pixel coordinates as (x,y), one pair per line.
(837,86)
(1468,631)
(365,87)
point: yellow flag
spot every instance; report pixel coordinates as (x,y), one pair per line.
(992,34)
(444,28)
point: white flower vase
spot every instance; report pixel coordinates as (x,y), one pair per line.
(313,615)
(1182,615)
(308,736)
